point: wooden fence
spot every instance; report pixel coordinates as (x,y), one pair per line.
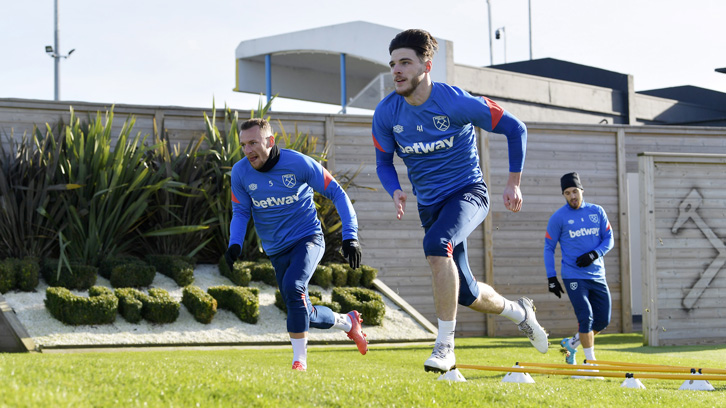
(507,250)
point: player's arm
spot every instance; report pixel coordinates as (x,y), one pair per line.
(241,206)
(389,179)
(606,233)
(551,236)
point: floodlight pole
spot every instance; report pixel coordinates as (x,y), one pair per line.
(491,45)
(56,56)
(529,2)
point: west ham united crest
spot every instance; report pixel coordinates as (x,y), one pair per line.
(441,122)
(573,285)
(594,218)
(289,180)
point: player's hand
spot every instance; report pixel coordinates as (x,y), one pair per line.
(586,259)
(555,287)
(399,201)
(351,250)
(512,194)
(232,254)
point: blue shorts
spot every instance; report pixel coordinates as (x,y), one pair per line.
(293,270)
(447,224)
(591,301)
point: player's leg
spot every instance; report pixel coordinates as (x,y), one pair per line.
(601,304)
(447,225)
(578,292)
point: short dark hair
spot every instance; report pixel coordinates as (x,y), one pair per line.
(263,124)
(421,41)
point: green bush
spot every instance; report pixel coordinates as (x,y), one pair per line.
(241,275)
(340,274)
(99,308)
(180,268)
(106,266)
(354,276)
(242,301)
(264,272)
(132,275)
(79,276)
(367,302)
(369,275)
(7,275)
(316,299)
(199,303)
(157,307)
(129,305)
(323,276)
(26,274)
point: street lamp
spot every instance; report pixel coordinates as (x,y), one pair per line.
(54,52)
(501,33)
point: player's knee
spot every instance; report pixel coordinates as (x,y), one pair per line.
(437,246)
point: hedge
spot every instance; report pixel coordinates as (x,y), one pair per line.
(367,302)
(157,307)
(99,308)
(242,301)
(241,273)
(199,303)
(180,268)
(79,276)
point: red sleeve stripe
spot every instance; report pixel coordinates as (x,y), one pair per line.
(608,228)
(450,250)
(547,235)
(496,111)
(234,199)
(376,144)
(328,178)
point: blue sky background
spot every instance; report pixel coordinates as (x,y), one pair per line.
(163,52)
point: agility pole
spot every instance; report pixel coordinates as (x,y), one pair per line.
(704,370)
(695,377)
(628,368)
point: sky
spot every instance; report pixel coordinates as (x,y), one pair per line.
(182,52)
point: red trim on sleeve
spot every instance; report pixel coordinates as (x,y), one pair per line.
(376,144)
(495,110)
(547,235)
(608,228)
(234,199)
(327,177)
(450,250)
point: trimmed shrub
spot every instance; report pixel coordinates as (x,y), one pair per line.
(242,301)
(132,275)
(199,303)
(129,305)
(366,301)
(178,267)
(340,275)
(7,275)
(26,274)
(79,276)
(106,266)
(369,275)
(99,308)
(241,275)
(264,272)
(323,276)
(157,307)
(316,299)
(354,275)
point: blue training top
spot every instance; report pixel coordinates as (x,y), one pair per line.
(578,232)
(281,201)
(437,140)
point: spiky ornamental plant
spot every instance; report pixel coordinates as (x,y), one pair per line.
(115,187)
(29,207)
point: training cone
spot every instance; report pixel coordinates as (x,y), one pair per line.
(518,377)
(453,375)
(632,383)
(696,385)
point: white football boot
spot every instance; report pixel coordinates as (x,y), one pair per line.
(442,358)
(530,327)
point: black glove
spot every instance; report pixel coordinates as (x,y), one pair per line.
(555,287)
(232,255)
(351,250)
(586,259)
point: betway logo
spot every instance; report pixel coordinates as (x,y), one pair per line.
(421,147)
(584,231)
(273,201)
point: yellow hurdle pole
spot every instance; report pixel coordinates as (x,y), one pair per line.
(704,370)
(710,377)
(629,368)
